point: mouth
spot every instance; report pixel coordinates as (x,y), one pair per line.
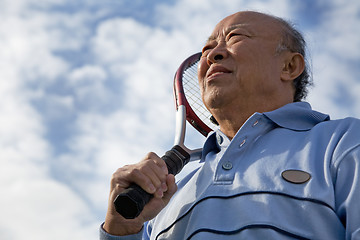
(216,71)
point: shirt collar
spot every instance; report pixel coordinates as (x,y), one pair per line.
(296,116)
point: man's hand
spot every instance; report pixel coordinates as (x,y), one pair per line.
(151,174)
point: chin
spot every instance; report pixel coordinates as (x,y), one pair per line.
(214,102)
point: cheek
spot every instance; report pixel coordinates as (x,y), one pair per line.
(202,69)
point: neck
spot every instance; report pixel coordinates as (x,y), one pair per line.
(231,120)
(230,125)
(230,128)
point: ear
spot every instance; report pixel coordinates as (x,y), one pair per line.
(294,65)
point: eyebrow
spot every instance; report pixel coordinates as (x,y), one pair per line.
(229,29)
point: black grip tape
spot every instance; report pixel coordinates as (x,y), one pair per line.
(132,200)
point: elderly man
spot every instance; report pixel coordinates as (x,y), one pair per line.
(276,169)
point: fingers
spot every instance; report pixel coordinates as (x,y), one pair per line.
(171,188)
(150,174)
(156,204)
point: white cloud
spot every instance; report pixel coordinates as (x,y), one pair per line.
(86,75)
(38,208)
(42,206)
(333,44)
(118,39)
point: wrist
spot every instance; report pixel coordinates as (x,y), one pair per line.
(122,228)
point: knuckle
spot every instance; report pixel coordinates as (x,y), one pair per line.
(156,182)
(120,171)
(150,155)
(113,179)
(115,176)
(134,173)
(160,162)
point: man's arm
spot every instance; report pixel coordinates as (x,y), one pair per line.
(151,174)
(347,191)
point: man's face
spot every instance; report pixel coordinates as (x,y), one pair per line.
(239,66)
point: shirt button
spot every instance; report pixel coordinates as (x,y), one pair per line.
(242,143)
(255,123)
(227,166)
(219,139)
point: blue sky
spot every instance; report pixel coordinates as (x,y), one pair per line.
(86,87)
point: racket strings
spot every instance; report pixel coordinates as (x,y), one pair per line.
(193,96)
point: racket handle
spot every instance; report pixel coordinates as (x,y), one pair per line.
(132,200)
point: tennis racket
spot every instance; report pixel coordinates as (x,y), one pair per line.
(189,106)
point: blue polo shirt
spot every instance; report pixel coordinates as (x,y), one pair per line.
(287,174)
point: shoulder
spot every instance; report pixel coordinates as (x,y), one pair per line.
(342,136)
(343,127)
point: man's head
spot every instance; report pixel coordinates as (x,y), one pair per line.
(250,64)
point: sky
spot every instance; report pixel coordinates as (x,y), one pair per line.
(86,87)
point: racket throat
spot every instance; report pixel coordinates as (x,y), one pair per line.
(195,154)
(180,127)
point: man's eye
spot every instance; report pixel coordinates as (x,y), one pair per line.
(235,36)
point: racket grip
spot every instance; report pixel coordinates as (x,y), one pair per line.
(132,200)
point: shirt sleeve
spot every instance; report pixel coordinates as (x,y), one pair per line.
(106,236)
(347,193)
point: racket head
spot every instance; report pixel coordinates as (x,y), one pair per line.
(187,94)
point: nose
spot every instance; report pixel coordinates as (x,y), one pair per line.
(217,54)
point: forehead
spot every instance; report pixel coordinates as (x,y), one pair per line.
(252,22)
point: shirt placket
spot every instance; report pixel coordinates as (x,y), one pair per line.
(229,158)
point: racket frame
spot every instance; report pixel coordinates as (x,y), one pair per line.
(180,98)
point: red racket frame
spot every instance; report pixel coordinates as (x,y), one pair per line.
(180,98)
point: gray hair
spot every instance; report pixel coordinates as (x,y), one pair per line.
(294,41)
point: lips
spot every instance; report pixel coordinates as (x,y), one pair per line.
(216,70)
